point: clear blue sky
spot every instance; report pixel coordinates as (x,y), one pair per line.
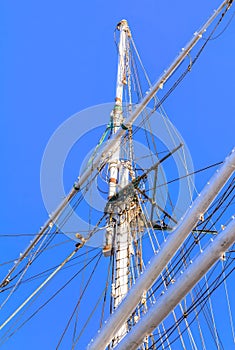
(58,58)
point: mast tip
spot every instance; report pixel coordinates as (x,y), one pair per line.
(123,24)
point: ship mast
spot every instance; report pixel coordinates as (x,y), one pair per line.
(117,234)
(116,115)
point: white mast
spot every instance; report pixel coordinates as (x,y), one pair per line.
(118,229)
(117,111)
(116,122)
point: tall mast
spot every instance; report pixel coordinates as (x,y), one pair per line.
(117,235)
(117,117)
(116,122)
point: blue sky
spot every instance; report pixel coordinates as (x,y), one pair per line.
(59,57)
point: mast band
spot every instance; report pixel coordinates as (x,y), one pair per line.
(113,180)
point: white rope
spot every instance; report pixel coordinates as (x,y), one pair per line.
(228,302)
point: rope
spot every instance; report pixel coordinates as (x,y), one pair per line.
(52,297)
(76,306)
(38,289)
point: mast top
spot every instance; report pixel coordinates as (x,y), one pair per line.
(123,25)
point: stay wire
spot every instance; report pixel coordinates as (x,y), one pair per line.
(46,281)
(225,28)
(53,235)
(79,300)
(52,247)
(190,174)
(173,327)
(177,262)
(42,285)
(88,319)
(33,256)
(54,295)
(225,195)
(199,299)
(41,274)
(182,76)
(106,289)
